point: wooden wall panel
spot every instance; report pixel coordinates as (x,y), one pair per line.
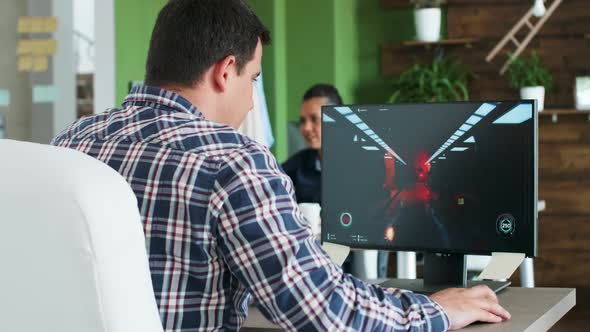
(557,233)
(397,58)
(564,162)
(560,43)
(573,53)
(563,268)
(564,228)
(569,197)
(492,19)
(564,52)
(569,130)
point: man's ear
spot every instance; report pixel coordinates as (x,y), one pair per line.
(222,71)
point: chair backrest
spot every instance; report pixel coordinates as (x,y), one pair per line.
(72,249)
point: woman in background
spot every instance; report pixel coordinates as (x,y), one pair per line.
(304,168)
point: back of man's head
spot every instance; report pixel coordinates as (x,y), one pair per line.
(191,35)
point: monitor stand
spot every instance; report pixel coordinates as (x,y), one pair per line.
(442,271)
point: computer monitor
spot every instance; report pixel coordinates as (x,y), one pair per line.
(447,179)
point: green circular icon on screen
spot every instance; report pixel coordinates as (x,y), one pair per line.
(346,219)
(505,225)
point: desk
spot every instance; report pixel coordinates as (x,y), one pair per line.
(532,309)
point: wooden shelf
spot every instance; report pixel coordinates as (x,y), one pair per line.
(556,113)
(467,42)
(395,4)
(562,112)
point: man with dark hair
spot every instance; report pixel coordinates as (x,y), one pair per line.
(219,216)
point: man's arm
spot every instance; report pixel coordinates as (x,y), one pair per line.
(269,247)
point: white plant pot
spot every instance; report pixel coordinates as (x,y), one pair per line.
(428,22)
(534,92)
(582,91)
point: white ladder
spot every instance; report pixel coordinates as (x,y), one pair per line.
(521,45)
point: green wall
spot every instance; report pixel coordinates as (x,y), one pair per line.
(310,48)
(274,63)
(134,21)
(326,41)
(336,42)
(376,26)
(313,41)
(346,52)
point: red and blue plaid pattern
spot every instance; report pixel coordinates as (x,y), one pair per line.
(222,225)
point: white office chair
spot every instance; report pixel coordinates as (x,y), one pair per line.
(72,249)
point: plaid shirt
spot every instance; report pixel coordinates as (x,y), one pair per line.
(222,226)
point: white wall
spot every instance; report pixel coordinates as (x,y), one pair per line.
(64,68)
(104,77)
(84,38)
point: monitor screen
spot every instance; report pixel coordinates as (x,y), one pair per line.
(435,177)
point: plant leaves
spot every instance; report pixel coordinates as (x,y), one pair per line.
(442,80)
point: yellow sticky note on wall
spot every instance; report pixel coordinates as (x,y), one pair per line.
(40,64)
(25,63)
(50,24)
(27,24)
(36,25)
(50,46)
(38,46)
(24,24)
(23,47)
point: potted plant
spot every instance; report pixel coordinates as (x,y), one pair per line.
(532,78)
(427,17)
(442,80)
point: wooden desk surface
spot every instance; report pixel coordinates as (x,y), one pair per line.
(532,309)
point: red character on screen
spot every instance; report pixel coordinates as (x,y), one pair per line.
(422,167)
(406,188)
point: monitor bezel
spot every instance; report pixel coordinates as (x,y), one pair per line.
(535,153)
